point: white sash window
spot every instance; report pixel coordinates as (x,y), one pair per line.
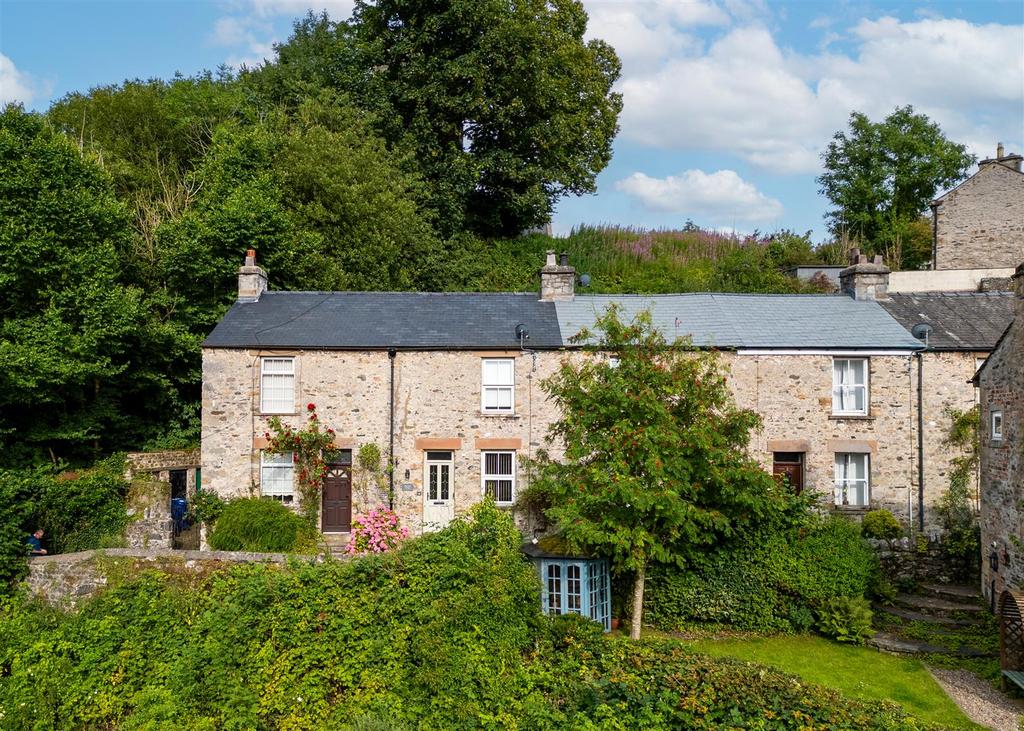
(852,479)
(499,476)
(850,386)
(277,385)
(277,476)
(498,386)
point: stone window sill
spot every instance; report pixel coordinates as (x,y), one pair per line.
(851,417)
(490,415)
(268,414)
(851,509)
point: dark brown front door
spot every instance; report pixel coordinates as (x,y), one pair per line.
(788,467)
(337,509)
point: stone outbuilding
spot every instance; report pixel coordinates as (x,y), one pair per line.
(1001,383)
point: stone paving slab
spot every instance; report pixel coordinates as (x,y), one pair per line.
(911,615)
(935,605)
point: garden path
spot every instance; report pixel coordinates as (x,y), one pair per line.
(979,700)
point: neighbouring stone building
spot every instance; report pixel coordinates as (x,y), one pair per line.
(980,223)
(1001,383)
(448,385)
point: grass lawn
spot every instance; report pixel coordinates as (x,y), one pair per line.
(858,672)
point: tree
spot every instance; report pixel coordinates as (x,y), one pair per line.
(86,366)
(655,467)
(504,104)
(880,177)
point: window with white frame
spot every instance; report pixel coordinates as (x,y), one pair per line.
(497,386)
(277,385)
(277,476)
(997,424)
(499,476)
(851,485)
(850,386)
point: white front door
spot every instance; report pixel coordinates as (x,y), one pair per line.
(438,492)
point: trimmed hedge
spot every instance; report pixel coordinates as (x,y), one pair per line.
(766,583)
(261,525)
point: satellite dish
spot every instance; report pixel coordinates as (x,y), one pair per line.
(921,331)
(584,280)
(522,333)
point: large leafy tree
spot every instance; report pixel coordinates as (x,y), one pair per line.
(655,466)
(880,177)
(86,368)
(504,104)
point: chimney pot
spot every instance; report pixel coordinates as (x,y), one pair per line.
(252,279)
(557,279)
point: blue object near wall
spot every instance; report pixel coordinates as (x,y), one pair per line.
(576,586)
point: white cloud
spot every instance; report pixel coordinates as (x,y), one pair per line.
(337,9)
(719,196)
(777,108)
(16,85)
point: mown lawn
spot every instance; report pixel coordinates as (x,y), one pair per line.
(858,672)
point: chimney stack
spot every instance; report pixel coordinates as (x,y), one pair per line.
(865,279)
(557,279)
(1012,161)
(252,280)
(999,150)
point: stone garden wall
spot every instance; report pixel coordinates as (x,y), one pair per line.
(907,560)
(65,579)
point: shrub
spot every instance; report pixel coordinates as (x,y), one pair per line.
(846,619)
(258,524)
(77,510)
(376,532)
(880,524)
(758,583)
(206,507)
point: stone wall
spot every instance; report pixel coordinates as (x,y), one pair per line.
(920,561)
(981,222)
(437,406)
(68,578)
(162,461)
(1002,460)
(149,514)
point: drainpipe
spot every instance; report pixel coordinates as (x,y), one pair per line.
(391,432)
(920,440)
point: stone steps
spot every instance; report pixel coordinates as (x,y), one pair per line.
(938,607)
(911,615)
(956,593)
(900,645)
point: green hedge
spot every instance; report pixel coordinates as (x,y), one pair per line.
(262,525)
(445,632)
(76,510)
(768,583)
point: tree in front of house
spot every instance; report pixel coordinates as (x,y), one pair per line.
(655,466)
(880,178)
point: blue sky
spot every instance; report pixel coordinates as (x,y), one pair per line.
(727,103)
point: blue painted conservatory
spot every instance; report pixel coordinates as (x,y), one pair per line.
(572,583)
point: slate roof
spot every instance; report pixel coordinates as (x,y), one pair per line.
(378,320)
(961,320)
(751,320)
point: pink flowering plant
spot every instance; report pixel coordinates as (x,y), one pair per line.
(378,531)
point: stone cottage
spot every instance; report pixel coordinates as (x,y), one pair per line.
(980,223)
(1001,382)
(447,384)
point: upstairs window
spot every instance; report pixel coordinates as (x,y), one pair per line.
(850,386)
(498,386)
(499,476)
(997,425)
(852,479)
(277,385)
(277,476)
